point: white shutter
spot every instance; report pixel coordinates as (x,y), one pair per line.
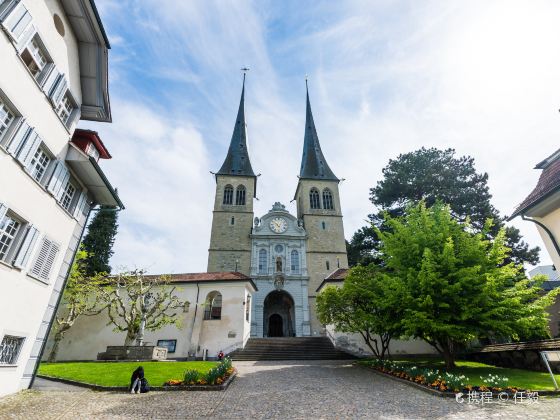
(6,8)
(49,77)
(80,204)
(58,180)
(26,247)
(18,139)
(25,37)
(29,148)
(17,21)
(59,90)
(45,259)
(3,211)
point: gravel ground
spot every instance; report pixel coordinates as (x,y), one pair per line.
(282,390)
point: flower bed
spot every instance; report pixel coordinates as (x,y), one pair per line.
(216,376)
(442,381)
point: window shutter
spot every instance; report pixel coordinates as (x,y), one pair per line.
(6,8)
(19,138)
(28,33)
(26,247)
(45,259)
(17,21)
(58,179)
(59,90)
(80,205)
(3,211)
(51,75)
(29,148)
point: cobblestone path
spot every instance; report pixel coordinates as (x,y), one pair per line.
(280,390)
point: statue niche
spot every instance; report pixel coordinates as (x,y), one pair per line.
(278,264)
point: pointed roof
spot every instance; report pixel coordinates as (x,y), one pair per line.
(313,163)
(237,160)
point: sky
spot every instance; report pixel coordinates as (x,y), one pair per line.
(385,77)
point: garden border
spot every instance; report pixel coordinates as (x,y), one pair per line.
(221,387)
(441,394)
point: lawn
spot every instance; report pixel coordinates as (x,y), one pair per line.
(118,373)
(526,379)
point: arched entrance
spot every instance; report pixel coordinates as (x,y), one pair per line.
(279,315)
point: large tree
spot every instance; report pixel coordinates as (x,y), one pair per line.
(369,304)
(80,298)
(99,240)
(431,175)
(457,282)
(137,302)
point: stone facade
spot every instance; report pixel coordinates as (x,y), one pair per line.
(230,242)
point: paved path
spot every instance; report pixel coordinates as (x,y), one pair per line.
(280,390)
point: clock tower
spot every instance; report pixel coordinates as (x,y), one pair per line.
(318,205)
(232,219)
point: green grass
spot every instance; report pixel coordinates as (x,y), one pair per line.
(521,378)
(118,373)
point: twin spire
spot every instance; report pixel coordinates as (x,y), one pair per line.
(313,162)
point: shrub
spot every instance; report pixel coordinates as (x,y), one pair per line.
(191,376)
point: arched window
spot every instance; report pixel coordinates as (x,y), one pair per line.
(314,198)
(213,308)
(228,194)
(240,196)
(327,199)
(295,261)
(263,262)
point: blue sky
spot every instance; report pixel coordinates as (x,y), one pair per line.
(385,77)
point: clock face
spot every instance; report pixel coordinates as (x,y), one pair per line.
(278,225)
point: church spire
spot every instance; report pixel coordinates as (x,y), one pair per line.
(237,160)
(313,163)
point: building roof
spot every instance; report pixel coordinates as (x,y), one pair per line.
(93,46)
(218,276)
(313,163)
(547,270)
(336,276)
(80,136)
(237,160)
(549,183)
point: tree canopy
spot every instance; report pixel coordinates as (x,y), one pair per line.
(431,175)
(457,283)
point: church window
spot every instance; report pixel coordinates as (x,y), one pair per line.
(323,225)
(295,261)
(228,194)
(240,196)
(327,199)
(337,262)
(263,261)
(213,308)
(328,266)
(232,221)
(314,199)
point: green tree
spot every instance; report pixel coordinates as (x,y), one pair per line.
(137,302)
(368,303)
(99,240)
(80,298)
(458,285)
(432,175)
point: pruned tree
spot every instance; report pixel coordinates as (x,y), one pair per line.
(369,304)
(80,298)
(458,285)
(137,302)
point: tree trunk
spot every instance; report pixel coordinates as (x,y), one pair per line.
(130,339)
(448,354)
(54,351)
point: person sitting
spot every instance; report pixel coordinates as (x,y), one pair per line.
(136,380)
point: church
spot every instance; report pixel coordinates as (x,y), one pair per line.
(287,256)
(264,272)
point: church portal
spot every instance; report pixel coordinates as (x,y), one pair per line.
(279,315)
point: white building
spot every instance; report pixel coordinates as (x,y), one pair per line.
(53,73)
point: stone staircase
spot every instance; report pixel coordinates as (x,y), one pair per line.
(290,348)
